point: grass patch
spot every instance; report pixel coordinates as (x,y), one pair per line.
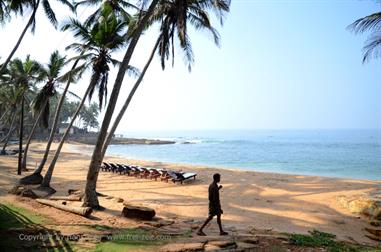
(101,227)
(23,230)
(321,239)
(132,239)
(12,216)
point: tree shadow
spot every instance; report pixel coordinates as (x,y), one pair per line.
(20,233)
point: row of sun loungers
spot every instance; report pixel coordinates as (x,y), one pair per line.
(148,173)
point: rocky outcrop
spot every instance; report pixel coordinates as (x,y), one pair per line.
(362,204)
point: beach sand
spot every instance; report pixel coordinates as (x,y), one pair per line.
(250,200)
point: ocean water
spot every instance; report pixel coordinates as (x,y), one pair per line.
(334,153)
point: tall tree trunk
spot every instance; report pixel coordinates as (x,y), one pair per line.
(55,123)
(3,115)
(32,17)
(90,197)
(21,134)
(6,138)
(127,102)
(49,173)
(23,164)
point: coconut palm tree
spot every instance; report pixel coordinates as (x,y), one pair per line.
(19,7)
(175,15)
(119,8)
(373,44)
(24,75)
(168,14)
(99,42)
(4,12)
(9,97)
(41,104)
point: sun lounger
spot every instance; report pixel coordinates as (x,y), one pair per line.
(135,170)
(181,177)
(106,167)
(122,169)
(178,176)
(144,172)
(114,167)
(154,173)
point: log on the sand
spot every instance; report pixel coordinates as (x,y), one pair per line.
(68,198)
(84,211)
(138,212)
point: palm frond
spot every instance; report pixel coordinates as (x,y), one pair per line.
(372,49)
(368,23)
(49,13)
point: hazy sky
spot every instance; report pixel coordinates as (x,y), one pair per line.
(281,65)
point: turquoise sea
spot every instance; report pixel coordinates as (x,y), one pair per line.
(334,153)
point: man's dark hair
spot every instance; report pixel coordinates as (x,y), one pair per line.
(216,176)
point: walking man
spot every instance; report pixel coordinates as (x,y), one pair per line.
(214,205)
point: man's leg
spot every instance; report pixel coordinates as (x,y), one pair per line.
(222,232)
(200,232)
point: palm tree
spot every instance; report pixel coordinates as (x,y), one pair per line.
(41,104)
(18,7)
(90,197)
(118,7)
(4,12)
(169,14)
(9,97)
(180,21)
(373,44)
(24,75)
(99,42)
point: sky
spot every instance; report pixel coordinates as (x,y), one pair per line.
(281,65)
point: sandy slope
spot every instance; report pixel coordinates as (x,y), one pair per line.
(285,203)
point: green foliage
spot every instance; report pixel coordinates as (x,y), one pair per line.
(326,240)
(12,216)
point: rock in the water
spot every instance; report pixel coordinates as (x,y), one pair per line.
(362,205)
(138,212)
(33,179)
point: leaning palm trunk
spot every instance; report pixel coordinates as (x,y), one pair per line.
(4,65)
(49,173)
(3,115)
(6,138)
(127,102)
(38,171)
(90,197)
(21,134)
(23,165)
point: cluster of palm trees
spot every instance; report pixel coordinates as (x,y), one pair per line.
(115,25)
